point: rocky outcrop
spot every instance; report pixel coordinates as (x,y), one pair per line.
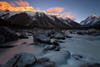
(28,60)
(7,35)
(52,47)
(59,57)
(21,60)
(45,62)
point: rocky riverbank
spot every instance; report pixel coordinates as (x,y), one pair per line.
(53,49)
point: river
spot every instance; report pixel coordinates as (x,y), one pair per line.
(79,44)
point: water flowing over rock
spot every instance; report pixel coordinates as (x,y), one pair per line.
(59,57)
(21,60)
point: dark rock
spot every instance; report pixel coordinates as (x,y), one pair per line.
(22,36)
(68,36)
(77,57)
(41,39)
(59,36)
(21,60)
(49,47)
(7,35)
(49,64)
(60,41)
(52,47)
(7,46)
(59,57)
(55,43)
(91,65)
(42,60)
(57,48)
(2,38)
(81,33)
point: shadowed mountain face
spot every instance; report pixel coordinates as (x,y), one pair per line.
(20,19)
(72,23)
(41,20)
(92,21)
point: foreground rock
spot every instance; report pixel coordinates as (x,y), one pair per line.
(44,62)
(91,65)
(21,60)
(22,35)
(59,35)
(41,38)
(7,35)
(59,57)
(51,47)
(77,60)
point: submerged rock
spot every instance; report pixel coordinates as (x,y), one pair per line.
(49,64)
(91,65)
(59,36)
(77,57)
(51,47)
(59,57)
(42,60)
(68,36)
(41,39)
(21,60)
(81,33)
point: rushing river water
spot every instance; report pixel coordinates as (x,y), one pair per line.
(85,45)
(78,44)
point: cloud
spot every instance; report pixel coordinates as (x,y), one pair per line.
(68,14)
(55,10)
(21,6)
(22,3)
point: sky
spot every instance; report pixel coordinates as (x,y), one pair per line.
(79,9)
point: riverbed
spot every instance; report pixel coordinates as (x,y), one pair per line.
(85,45)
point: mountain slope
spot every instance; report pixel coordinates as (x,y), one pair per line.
(92,21)
(40,19)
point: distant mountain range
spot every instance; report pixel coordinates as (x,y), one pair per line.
(92,21)
(42,20)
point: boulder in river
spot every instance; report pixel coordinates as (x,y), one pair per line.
(51,47)
(59,57)
(7,35)
(59,36)
(41,39)
(42,60)
(91,65)
(45,62)
(21,60)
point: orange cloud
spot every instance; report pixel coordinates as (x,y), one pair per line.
(22,6)
(55,10)
(68,14)
(6,6)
